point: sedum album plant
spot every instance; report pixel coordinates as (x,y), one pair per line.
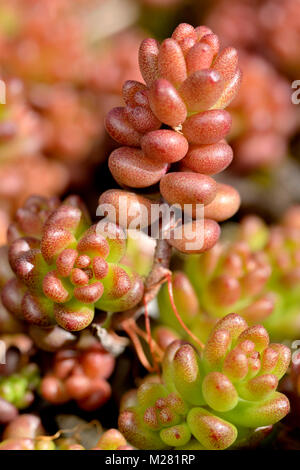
(26,432)
(65,267)
(254,271)
(210,399)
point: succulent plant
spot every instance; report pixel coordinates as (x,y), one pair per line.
(79,374)
(30,24)
(188,85)
(270,26)
(281,31)
(18,388)
(232,276)
(255,272)
(65,267)
(279,243)
(212,399)
(111,439)
(139,253)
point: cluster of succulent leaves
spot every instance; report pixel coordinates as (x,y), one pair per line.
(26,432)
(210,400)
(65,267)
(253,271)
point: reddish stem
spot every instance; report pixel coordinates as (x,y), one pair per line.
(138,347)
(174,308)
